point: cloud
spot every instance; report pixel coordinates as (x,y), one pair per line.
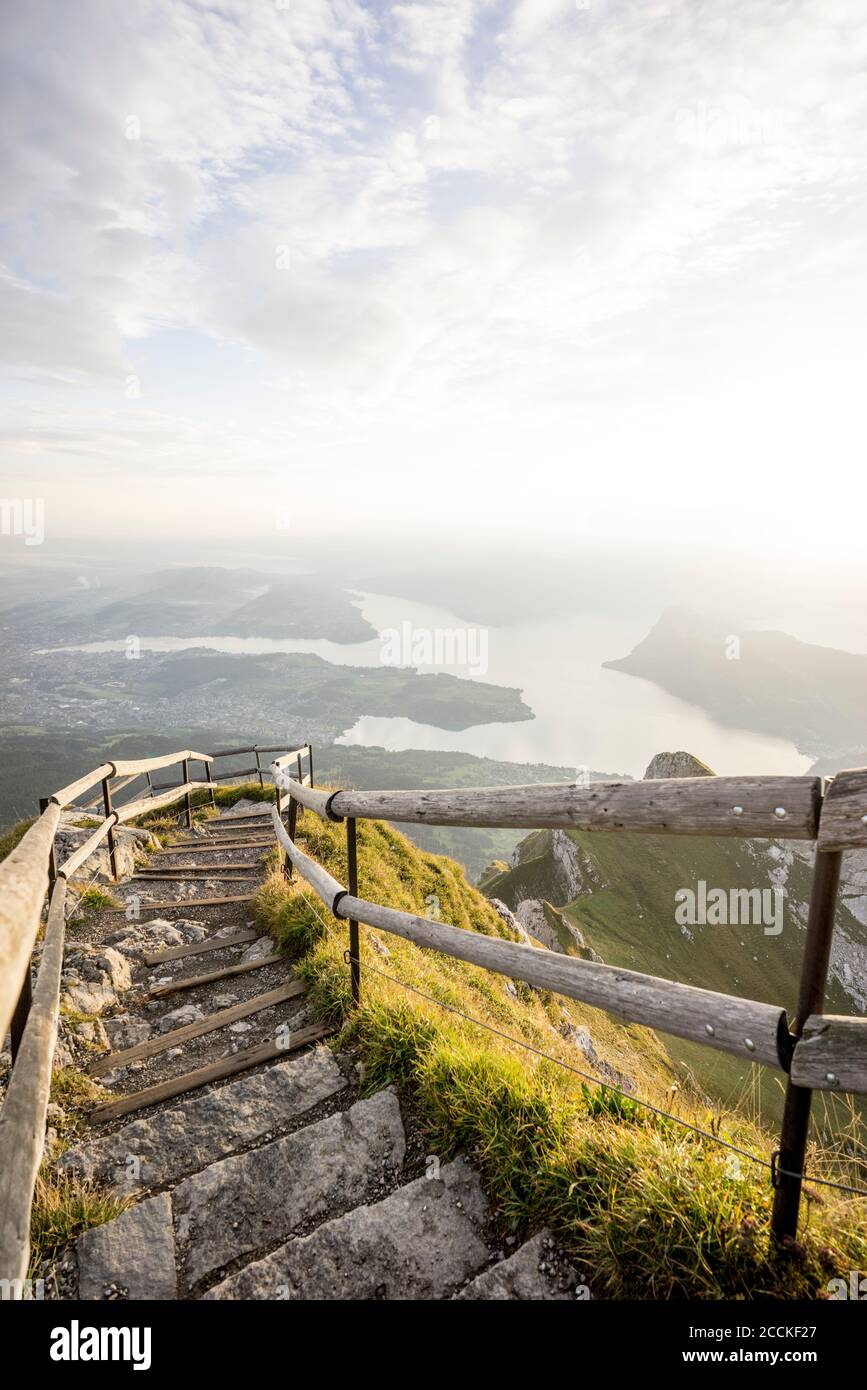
(465,222)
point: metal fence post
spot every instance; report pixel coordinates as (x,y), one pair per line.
(210,776)
(112,842)
(293,821)
(310,761)
(259,765)
(811,997)
(352,867)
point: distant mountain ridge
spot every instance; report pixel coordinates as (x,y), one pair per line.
(765,681)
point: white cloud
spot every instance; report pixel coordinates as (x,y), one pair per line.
(500,225)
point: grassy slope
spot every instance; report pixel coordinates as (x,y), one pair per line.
(630,922)
(649,1209)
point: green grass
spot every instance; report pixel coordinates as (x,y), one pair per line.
(647,1208)
(14,836)
(64,1205)
(96,900)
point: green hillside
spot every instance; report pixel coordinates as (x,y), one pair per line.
(625,908)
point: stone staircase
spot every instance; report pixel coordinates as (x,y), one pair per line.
(260,1173)
(326,1210)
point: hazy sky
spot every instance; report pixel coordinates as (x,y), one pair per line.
(596,268)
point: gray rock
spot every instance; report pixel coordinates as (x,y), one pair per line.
(581,1039)
(188,1136)
(262,946)
(248,1201)
(510,919)
(422,1242)
(94,1033)
(126,1031)
(135,1252)
(92,979)
(89,997)
(535,1271)
(179,1018)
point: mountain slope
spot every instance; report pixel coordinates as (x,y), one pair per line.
(621,893)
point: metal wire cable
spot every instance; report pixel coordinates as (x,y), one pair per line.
(770,1164)
(606,1085)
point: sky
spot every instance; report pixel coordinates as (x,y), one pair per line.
(587,269)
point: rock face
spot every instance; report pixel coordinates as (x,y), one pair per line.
(557,934)
(678,764)
(510,919)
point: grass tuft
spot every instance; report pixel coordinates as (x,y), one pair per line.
(64,1205)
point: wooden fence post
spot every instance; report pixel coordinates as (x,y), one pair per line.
(811,998)
(18,1021)
(188,799)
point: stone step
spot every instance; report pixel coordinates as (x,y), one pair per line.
(243,1204)
(536,1271)
(130,1257)
(422,1242)
(173,1143)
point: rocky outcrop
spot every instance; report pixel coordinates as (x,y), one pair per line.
(678,764)
(546,924)
(510,919)
(129,841)
(92,979)
(581,1039)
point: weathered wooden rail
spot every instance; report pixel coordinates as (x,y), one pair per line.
(28,1013)
(817,1053)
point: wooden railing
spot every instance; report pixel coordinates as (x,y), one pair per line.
(817,1052)
(30,1014)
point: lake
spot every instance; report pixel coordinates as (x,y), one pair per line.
(585,716)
